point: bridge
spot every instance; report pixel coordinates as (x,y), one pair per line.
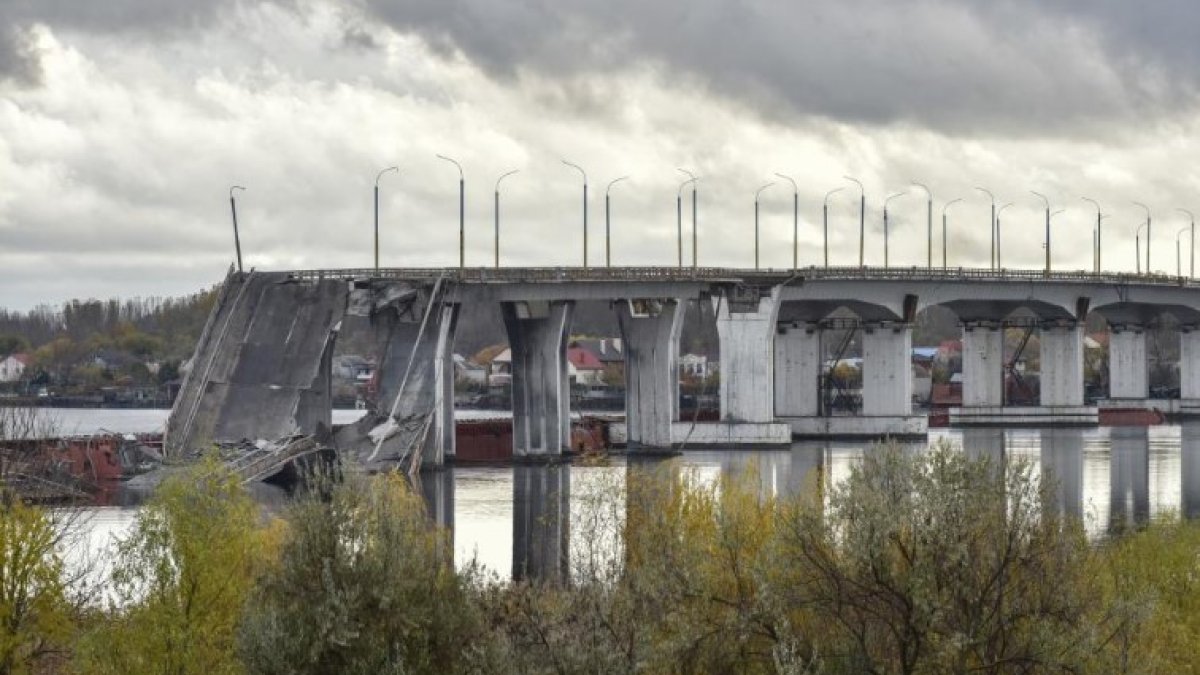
(262,366)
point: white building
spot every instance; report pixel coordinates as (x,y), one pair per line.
(696,365)
(12,368)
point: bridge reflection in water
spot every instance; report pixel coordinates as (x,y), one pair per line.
(534,521)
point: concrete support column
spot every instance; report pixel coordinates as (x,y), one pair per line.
(440,443)
(1189,362)
(887,370)
(983,365)
(797,370)
(650,334)
(746,331)
(1062,365)
(541,390)
(1128,372)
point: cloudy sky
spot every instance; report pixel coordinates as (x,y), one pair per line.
(123,123)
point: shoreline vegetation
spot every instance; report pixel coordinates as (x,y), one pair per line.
(919,562)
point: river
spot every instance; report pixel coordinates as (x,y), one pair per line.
(1106,476)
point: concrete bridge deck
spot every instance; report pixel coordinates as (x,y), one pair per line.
(770,324)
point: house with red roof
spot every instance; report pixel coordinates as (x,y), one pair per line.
(586,368)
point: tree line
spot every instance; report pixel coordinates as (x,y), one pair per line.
(90,343)
(928,562)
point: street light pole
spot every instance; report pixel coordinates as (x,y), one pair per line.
(795,221)
(496,211)
(462,188)
(377,177)
(825,220)
(928,223)
(862,220)
(885,226)
(999,261)
(1178,257)
(1137,246)
(944,208)
(992,228)
(1047,201)
(585,209)
(1192,242)
(608,221)
(1099,233)
(1149,231)
(679,211)
(756,194)
(237,240)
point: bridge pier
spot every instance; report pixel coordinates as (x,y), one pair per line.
(746,331)
(887,384)
(1127,366)
(1129,373)
(983,365)
(887,370)
(1061,380)
(541,390)
(650,334)
(1189,371)
(797,369)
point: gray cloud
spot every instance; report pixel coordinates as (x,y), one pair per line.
(1012,65)
(960,66)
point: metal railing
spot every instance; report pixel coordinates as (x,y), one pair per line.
(738,275)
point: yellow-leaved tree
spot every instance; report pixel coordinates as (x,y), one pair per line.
(35,613)
(181,580)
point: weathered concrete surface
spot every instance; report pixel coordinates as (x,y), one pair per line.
(887,370)
(686,436)
(262,367)
(1025,416)
(746,332)
(650,332)
(983,365)
(541,390)
(414,332)
(1189,362)
(797,370)
(859,426)
(1062,365)
(1128,369)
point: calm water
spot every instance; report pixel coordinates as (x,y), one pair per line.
(524,514)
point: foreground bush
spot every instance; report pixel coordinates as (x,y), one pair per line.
(36,615)
(364,584)
(181,579)
(927,562)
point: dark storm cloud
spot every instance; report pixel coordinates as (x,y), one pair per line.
(1003,65)
(17,59)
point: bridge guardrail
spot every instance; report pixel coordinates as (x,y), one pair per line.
(736,275)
